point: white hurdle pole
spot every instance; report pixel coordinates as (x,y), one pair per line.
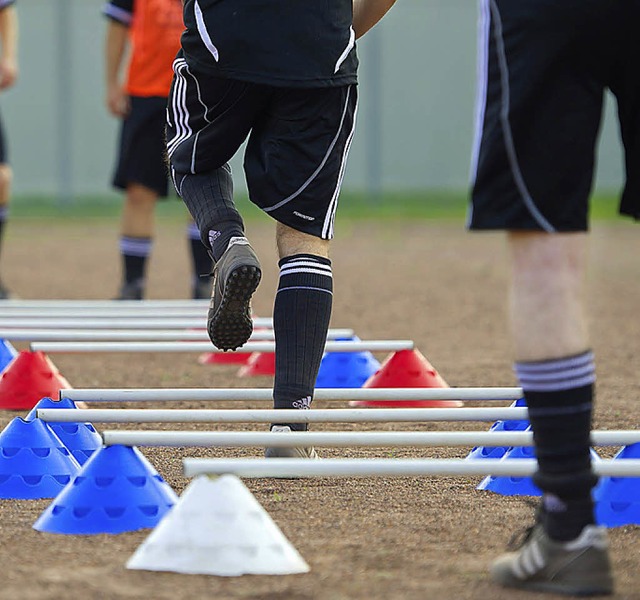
(266,394)
(129,335)
(315,415)
(386,467)
(333,346)
(141,322)
(105,313)
(343,439)
(13,304)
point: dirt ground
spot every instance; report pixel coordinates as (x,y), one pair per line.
(413,538)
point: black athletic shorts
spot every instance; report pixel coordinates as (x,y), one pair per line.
(4,159)
(142,155)
(298,141)
(543,69)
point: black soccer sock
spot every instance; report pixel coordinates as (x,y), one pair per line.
(4,212)
(559,396)
(135,252)
(200,258)
(209,198)
(301,315)
(220,236)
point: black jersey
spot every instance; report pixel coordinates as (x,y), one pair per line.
(289,43)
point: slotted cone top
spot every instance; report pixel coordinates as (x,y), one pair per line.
(406,369)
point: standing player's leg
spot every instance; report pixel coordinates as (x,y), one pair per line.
(142,173)
(6,179)
(554,365)
(136,239)
(201,262)
(539,113)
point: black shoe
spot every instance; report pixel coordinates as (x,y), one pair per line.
(236,277)
(201,289)
(5,294)
(133,290)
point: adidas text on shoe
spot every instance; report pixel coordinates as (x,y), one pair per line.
(309,452)
(236,277)
(579,567)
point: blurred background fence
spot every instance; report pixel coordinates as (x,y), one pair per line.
(415,129)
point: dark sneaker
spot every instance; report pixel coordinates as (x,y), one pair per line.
(201,289)
(5,294)
(236,277)
(133,290)
(580,567)
(309,452)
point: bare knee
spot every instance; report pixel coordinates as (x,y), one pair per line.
(291,242)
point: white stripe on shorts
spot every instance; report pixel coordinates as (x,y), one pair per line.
(506,125)
(327,229)
(313,175)
(179,106)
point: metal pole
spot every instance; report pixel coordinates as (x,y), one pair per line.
(389,467)
(266,394)
(319,415)
(373,115)
(343,439)
(64,99)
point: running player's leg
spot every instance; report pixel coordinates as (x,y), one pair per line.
(294,172)
(208,120)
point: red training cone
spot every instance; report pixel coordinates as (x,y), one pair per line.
(259,363)
(406,369)
(28,378)
(224,358)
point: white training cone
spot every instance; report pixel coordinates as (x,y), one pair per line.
(218,528)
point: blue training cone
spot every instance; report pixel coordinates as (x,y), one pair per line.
(516,486)
(512,486)
(7,354)
(34,463)
(81,439)
(346,369)
(495,452)
(618,498)
(116,490)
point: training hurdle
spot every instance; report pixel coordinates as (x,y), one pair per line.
(128,335)
(12,304)
(332,415)
(300,439)
(266,394)
(116,322)
(385,467)
(105,313)
(332,346)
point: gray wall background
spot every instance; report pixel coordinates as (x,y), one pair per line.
(415,129)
